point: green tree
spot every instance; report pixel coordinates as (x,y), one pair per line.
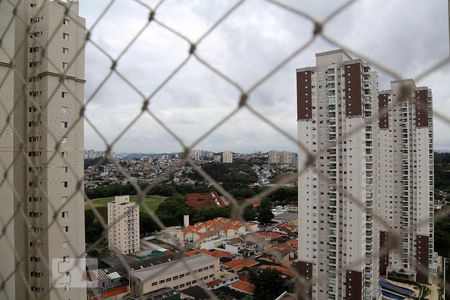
(249,213)
(146,223)
(93,227)
(268,284)
(171,211)
(264,211)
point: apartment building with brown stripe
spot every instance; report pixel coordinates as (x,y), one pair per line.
(335,97)
(406,184)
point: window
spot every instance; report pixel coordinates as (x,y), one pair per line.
(65,36)
(65,50)
(65,65)
(64,140)
(65,169)
(64,124)
(64,214)
(64,184)
(66,21)
(64,94)
(66,228)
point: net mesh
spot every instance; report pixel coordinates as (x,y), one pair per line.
(243,103)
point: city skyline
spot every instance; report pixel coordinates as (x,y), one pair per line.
(195,99)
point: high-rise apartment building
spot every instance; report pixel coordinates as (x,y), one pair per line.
(280,158)
(41,94)
(227,157)
(123,223)
(335,102)
(406,178)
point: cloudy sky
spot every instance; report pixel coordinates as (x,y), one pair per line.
(407,36)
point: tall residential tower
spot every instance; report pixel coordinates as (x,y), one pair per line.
(335,102)
(406,184)
(41,94)
(123,224)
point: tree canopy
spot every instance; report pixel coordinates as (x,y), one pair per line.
(269,284)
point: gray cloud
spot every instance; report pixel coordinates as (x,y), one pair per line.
(407,36)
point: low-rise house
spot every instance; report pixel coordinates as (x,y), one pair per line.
(287,229)
(225,279)
(283,252)
(215,253)
(243,287)
(101,285)
(217,228)
(283,270)
(239,264)
(178,274)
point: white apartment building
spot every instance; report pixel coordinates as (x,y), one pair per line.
(92,154)
(406,178)
(180,274)
(335,98)
(280,158)
(123,223)
(227,157)
(41,94)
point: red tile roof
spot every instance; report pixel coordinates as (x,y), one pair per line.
(213,283)
(256,203)
(283,270)
(214,253)
(268,235)
(200,201)
(243,286)
(213,227)
(238,264)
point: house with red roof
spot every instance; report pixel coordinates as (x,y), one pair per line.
(238,264)
(215,229)
(243,287)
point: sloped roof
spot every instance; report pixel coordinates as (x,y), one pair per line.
(243,286)
(214,253)
(283,270)
(238,264)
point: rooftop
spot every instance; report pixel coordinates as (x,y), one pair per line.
(239,264)
(283,270)
(175,266)
(243,286)
(214,253)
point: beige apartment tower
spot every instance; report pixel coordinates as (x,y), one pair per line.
(41,94)
(337,238)
(123,223)
(227,157)
(406,184)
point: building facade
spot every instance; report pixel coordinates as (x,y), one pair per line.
(41,149)
(281,158)
(123,223)
(227,157)
(406,184)
(180,274)
(335,102)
